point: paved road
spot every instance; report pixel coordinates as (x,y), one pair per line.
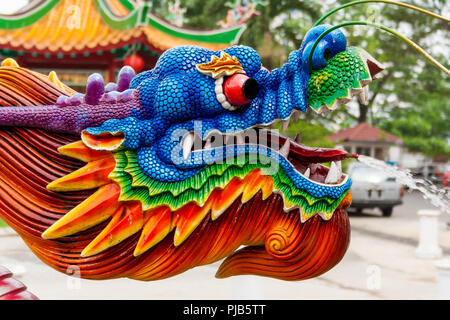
(403,225)
(412,201)
(379,264)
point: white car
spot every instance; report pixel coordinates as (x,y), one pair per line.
(373,188)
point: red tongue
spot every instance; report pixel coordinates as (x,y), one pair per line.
(319,155)
(302,153)
(316,155)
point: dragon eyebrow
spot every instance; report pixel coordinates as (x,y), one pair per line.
(397,3)
(380,26)
(218,67)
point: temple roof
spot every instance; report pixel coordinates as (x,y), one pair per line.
(75,26)
(364,132)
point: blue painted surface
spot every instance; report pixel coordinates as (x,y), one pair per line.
(176,96)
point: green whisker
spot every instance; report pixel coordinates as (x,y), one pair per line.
(365,23)
(400,4)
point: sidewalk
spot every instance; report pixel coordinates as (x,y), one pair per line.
(378,265)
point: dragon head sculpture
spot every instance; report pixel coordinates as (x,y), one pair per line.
(185,169)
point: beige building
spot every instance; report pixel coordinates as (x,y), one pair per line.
(366,140)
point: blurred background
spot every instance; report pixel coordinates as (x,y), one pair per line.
(405,123)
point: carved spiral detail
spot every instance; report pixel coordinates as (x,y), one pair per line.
(280,242)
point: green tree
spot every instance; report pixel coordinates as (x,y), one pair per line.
(277,29)
(412,98)
(311,134)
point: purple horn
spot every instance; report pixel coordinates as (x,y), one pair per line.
(95,89)
(126,74)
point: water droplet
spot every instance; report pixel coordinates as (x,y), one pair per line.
(437,196)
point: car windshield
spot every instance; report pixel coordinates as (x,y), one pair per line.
(369,175)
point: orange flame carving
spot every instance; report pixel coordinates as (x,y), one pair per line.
(226,65)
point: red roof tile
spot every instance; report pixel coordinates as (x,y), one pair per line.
(364,132)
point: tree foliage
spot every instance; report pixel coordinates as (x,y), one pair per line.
(311,134)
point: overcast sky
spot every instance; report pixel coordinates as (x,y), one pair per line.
(7,7)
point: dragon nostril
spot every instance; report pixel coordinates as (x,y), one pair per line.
(327,55)
(251,88)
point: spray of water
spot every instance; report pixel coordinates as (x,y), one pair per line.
(437,196)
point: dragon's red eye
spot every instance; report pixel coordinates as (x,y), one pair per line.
(240,89)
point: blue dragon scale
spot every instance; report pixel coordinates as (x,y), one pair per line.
(177,166)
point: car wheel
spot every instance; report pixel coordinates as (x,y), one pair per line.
(387,212)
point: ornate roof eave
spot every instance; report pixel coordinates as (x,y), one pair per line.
(25,18)
(138,17)
(141,16)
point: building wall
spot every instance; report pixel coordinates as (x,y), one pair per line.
(373,149)
(413,160)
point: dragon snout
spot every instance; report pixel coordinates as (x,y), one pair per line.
(330,45)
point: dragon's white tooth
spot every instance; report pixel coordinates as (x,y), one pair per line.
(314,167)
(221,97)
(355,91)
(307,173)
(325,110)
(295,115)
(339,166)
(365,82)
(361,97)
(285,124)
(218,89)
(188,142)
(333,174)
(226,105)
(284,151)
(364,95)
(344,100)
(219,81)
(366,92)
(298,138)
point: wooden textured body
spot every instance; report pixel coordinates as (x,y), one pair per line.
(277,243)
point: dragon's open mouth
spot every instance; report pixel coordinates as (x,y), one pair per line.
(306,160)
